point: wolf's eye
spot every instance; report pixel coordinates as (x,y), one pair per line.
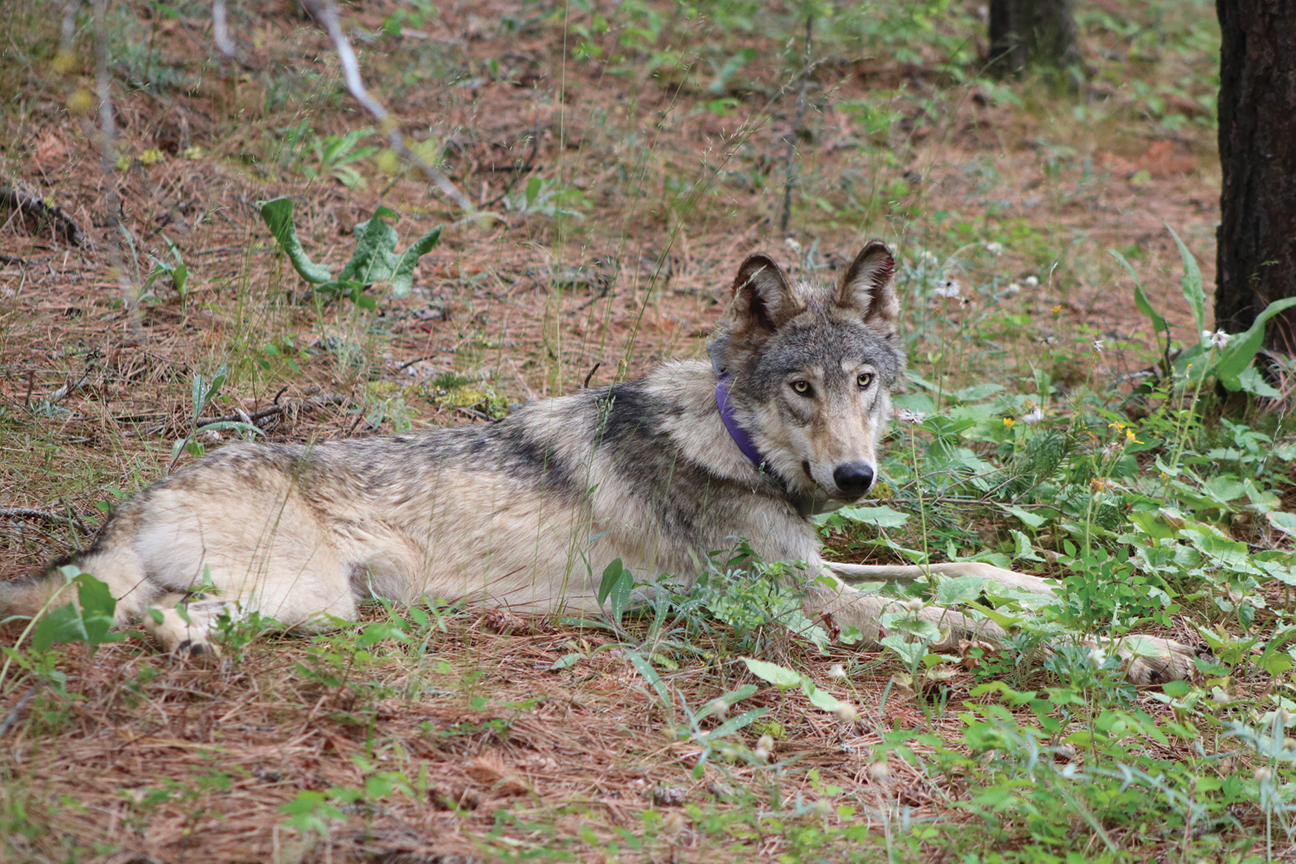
(865,380)
(801,388)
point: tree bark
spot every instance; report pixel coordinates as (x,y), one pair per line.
(1029,33)
(1256,239)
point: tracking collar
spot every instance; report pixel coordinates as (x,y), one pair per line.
(739,435)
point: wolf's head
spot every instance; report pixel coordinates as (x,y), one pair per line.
(812,367)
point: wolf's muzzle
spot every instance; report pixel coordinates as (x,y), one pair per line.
(854,478)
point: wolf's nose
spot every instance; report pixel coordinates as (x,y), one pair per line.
(854,478)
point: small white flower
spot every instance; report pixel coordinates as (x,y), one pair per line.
(879,772)
(928,256)
(1216,340)
(764,747)
(836,670)
(1262,774)
(904,415)
(1034,415)
(1031,282)
(792,244)
(948,288)
(1012,288)
(914,605)
(1098,346)
(1098,657)
(846,712)
(719,708)
(995,248)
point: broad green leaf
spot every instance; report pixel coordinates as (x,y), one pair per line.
(97,607)
(402,278)
(1031,519)
(823,701)
(278,218)
(882,517)
(773,673)
(910,652)
(611,574)
(977,392)
(373,259)
(1224,488)
(1276,663)
(1192,283)
(959,589)
(59,626)
(1140,298)
(565,662)
(1251,381)
(1141,646)
(1284,522)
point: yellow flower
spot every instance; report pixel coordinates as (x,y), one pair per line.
(1129,436)
(1008,422)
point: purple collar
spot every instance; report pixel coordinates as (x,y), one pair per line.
(737,432)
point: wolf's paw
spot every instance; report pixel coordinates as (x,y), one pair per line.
(1153,660)
(183,640)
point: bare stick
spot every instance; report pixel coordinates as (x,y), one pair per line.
(108,162)
(220,29)
(18,709)
(326,13)
(66,39)
(790,168)
(30,513)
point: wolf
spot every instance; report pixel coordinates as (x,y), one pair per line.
(783,423)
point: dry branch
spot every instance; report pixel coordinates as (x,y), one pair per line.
(326,13)
(38,210)
(275,410)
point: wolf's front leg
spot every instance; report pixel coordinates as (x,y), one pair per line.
(1147,659)
(840,606)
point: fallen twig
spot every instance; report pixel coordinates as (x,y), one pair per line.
(32,513)
(18,709)
(39,210)
(255,417)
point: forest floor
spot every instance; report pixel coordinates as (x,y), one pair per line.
(623,161)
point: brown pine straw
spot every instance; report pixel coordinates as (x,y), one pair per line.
(190,762)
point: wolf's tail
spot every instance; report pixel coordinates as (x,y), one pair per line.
(27,595)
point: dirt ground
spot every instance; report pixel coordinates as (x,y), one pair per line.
(615,200)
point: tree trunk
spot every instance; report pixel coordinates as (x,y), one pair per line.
(1256,240)
(1028,33)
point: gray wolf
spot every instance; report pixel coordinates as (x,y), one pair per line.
(785,421)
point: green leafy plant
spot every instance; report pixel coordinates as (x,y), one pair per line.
(177,272)
(1221,356)
(373,260)
(89,620)
(202,394)
(337,155)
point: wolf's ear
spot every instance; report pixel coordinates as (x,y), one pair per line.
(763,297)
(868,287)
